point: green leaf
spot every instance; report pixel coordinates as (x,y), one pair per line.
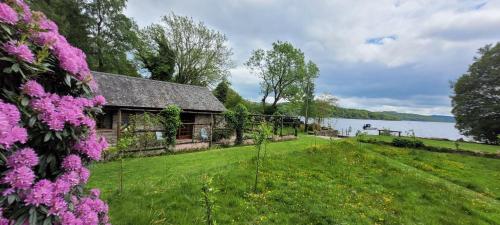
(7,70)
(6,29)
(47,136)
(25,101)
(47,221)
(21,219)
(15,67)
(32,121)
(67,80)
(11,199)
(58,135)
(33,216)
(7,59)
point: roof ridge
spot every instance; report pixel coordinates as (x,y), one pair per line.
(150,80)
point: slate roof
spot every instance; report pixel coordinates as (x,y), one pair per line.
(134,92)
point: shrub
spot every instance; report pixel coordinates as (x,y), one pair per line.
(171,120)
(220,134)
(385,132)
(407,143)
(47,127)
(238,120)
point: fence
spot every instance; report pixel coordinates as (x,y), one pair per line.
(201,130)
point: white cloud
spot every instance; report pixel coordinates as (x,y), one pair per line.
(434,40)
(389,104)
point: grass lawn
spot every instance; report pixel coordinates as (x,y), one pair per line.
(476,173)
(449,144)
(340,183)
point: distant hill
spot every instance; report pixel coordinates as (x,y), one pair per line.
(388,115)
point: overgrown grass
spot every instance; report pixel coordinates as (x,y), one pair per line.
(302,183)
(476,173)
(448,144)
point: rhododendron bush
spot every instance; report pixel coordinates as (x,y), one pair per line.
(47,127)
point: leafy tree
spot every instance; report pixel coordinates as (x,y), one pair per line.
(221,91)
(323,107)
(228,96)
(201,54)
(280,70)
(260,138)
(154,53)
(311,72)
(476,102)
(111,36)
(238,119)
(233,99)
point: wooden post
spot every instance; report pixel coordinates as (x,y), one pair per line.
(281,130)
(145,133)
(211,129)
(119,125)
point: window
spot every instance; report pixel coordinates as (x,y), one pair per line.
(105,121)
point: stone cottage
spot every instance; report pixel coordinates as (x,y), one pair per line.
(127,96)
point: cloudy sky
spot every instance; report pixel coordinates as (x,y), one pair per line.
(375,55)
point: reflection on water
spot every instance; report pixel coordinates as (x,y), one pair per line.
(421,129)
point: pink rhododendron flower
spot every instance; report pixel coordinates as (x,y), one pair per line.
(71,178)
(19,178)
(86,213)
(56,111)
(26,10)
(99,100)
(33,89)
(18,50)
(95,193)
(72,162)
(56,192)
(24,157)
(7,14)
(68,218)
(41,193)
(10,132)
(48,38)
(92,146)
(57,206)
(46,24)
(84,175)
(3,221)
(62,186)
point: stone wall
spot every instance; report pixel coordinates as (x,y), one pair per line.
(201,119)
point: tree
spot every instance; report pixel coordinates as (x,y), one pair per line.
(260,138)
(201,54)
(228,96)
(323,107)
(233,99)
(221,91)
(154,53)
(311,72)
(476,101)
(280,70)
(111,36)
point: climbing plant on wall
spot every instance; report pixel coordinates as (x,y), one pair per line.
(171,120)
(237,119)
